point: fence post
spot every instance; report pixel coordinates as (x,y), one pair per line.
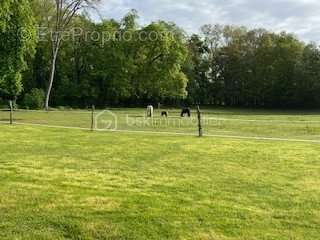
(11,112)
(92,118)
(199,122)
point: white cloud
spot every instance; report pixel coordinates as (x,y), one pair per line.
(298,16)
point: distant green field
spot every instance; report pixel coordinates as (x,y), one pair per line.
(254,123)
(76,184)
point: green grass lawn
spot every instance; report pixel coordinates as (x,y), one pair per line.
(74,184)
(231,122)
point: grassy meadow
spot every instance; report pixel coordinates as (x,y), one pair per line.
(76,184)
(231,122)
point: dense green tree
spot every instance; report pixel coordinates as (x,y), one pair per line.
(253,68)
(158,61)
(307,78)
(196,68)
(17,41)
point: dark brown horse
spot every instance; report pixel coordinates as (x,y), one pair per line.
(185,111)
(164,114)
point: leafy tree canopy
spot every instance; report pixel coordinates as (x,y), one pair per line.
(17,40)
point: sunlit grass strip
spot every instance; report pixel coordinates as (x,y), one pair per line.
(75,184)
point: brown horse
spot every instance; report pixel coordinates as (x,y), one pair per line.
(185,111)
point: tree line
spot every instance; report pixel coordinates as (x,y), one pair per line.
(120,63)
(234,66)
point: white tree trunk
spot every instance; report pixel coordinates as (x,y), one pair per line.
(65,11)
(52,73)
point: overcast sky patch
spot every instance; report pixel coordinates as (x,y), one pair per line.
(300,17)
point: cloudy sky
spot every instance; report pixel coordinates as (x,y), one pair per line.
(301,17)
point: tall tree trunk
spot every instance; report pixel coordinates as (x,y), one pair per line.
(65,11)
(52,74)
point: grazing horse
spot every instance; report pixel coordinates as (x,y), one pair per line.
(149,111)
(185,111)
(164,114)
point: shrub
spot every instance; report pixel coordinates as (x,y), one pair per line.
(34,99)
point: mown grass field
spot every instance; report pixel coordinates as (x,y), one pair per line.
(230,122)
(76,184)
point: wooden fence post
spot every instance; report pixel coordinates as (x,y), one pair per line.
(199,122)
(11,112)
(92,118)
